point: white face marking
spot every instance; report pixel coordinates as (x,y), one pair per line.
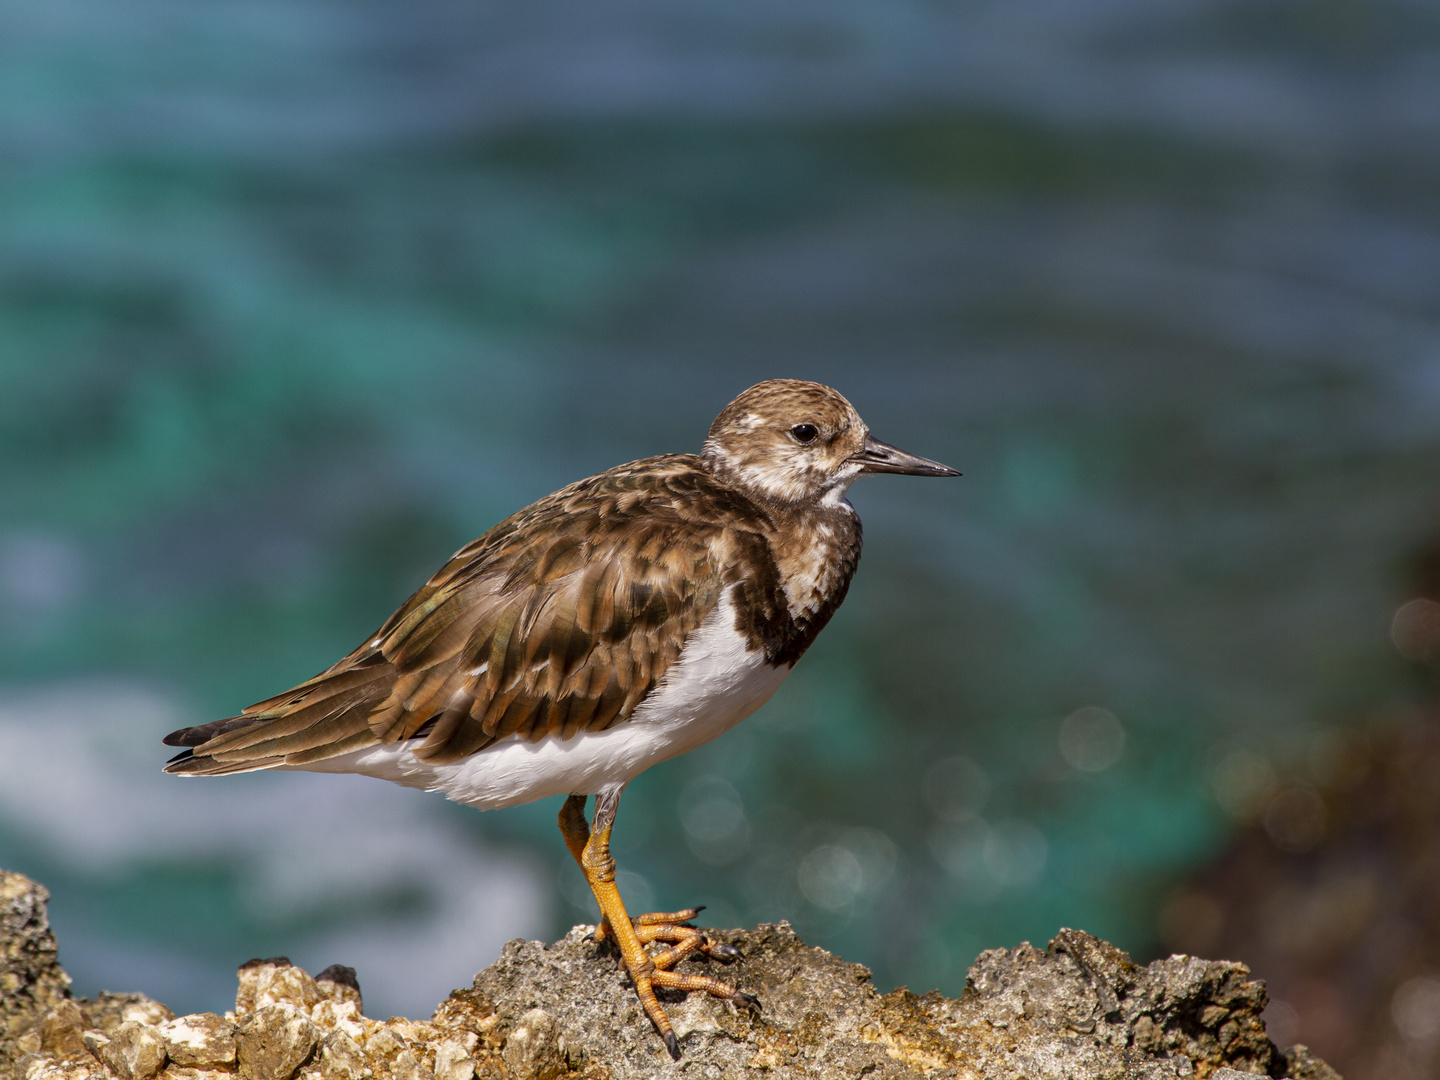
(781,476)
(716,683)
(775,479)
(786,473)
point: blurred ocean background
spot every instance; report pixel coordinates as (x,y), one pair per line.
(296,298)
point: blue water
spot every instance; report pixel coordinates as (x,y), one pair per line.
(297,298)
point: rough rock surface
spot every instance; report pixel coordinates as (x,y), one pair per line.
(1079,1010)
(31,980)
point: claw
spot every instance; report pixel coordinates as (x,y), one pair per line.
(673,1045)
(750,1001)
(720,951)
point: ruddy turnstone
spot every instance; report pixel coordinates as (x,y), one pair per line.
(619,622)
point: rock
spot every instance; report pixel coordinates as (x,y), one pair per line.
(532,1050)
(41,1067)
(275,982)
(455,1059)
(1300,1064)
(108,1011)
(1207,1012)
(343,1017)
(342,1059)
(273,1042)
(200,1039)
(339,984)
(31,979)
(61,1031)
(385,1045)
(407,1067)
(1079,1009)
(134,1051)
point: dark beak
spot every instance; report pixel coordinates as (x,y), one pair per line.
(878,457)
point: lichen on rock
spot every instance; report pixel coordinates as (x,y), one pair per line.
(1078,1010)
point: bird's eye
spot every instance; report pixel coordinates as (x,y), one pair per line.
(805,433)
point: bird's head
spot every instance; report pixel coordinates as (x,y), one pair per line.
(798,442)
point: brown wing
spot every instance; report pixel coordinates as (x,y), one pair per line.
(560,619)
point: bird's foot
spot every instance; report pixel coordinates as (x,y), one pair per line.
(673,928)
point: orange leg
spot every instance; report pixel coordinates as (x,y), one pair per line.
(592,851)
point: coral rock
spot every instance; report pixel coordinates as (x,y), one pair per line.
(273,1042)
(275,982)
(200,1039)
(342,1059)
(107,1011)
(31,979)
(455,1059)
(134,1051)
(339,984)
(1078,1010)
(532,1050)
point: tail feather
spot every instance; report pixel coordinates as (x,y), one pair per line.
(330,717)
(308,724)
(355,741)
(187,764)
(203,733)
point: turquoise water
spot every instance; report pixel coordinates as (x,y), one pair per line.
(296,299)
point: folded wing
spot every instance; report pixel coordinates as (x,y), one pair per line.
(559,620)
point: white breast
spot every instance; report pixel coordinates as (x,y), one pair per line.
(715,684)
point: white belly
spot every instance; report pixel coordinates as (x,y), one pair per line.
(714,685)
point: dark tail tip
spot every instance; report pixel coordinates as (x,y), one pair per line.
(203,733)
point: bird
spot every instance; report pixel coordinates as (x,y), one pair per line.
(621,621)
